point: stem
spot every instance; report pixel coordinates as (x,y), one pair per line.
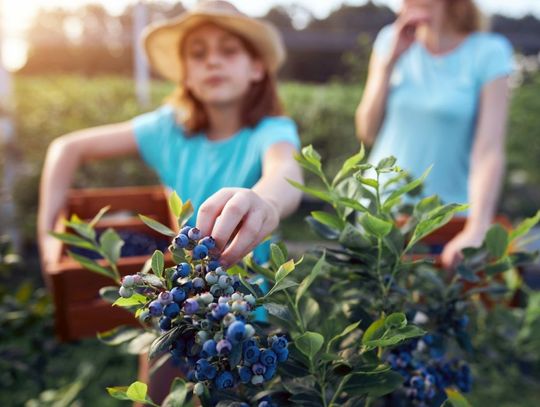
(338,390)
(297,314)
(379,258)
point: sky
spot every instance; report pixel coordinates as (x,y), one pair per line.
(16,15)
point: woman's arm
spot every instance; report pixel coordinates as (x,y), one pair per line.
(64,155)
(487,169)
(244,217)
(370,112)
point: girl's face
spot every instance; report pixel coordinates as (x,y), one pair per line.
(219,69)
(434,9)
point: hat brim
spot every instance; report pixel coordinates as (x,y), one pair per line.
(161,41)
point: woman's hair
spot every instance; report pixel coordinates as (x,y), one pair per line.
(261,100)
(464,16)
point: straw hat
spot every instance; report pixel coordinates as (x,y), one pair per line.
(161,40)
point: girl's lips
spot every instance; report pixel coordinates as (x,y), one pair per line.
(214,80)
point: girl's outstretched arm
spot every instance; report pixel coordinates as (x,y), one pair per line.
(240,218)
(63,157)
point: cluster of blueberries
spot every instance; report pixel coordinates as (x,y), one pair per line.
(221,349)
(427,377)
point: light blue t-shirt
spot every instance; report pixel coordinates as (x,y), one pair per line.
(196,167)
(432,108)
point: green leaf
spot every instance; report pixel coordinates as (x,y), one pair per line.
(73,240)
(395,320)
(163,342)
(353,204)
(374,384)
(158,263)
(111,245)
(317,193)
(395,336)
(352,238)
(266,273)
(524,227)
(349,165)
(185,213)
(278,310)
(376,226)
(118,392)
(309,343)
(137,392)
(280,286)
(497,241)
(118,335)
(315,271)
(391,200)
(109,294)
(328,219)
(178,393)
(99,215)
(82,228)
(277,257)
(386,163)
(350,328)
(456,398)
(158,227)
(374,331)
(92,265)
(367,181)
(284,270)
(134,300)
(175,204)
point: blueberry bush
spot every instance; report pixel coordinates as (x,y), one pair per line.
(362,320)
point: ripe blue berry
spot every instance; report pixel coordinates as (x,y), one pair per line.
(213,265)
(198,283)
(279,343)
(258,369)
(185,230)
(172,310)
(251,354)
(224,380)
(183,269)
(165,323)
(210,348)
(181,241)
(194,234)
(165,297)
(236,331)
(268,357)
(200,252)
(155,308)
(245,374)
(270,372)
(220,311)
(191,306)
(283,355)
(209,242)
(178,295)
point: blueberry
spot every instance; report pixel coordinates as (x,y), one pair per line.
(209,242)
(194,234)
(165,297)
(185,230)
(155,308)
(181,241)
(257,379)
(191,306)
(171,310)
(258,369)
(268,357)
(144,316)
(270,372)
(245,374)
(178,295)
(251,354)
(213,265)
(224,347)
(224,380)
(198,283)
(279,343)
(128,281)
(224,281)
(210,347)
(236,331)
(183,269)
(211,278)
(198,389)
(125,292)
(165,323)
(220,311)
(283,355)
(200,252)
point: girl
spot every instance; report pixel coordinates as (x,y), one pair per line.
(437,92)
(221,141)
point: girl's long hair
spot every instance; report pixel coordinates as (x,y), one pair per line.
(464,16)
(260,101)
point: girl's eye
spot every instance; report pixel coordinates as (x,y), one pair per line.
(197,53)
(230,49)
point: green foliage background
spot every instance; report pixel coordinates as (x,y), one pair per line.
(49,106)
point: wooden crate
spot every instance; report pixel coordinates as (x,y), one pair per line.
(79,310)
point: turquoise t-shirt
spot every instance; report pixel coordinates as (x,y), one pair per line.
(196,167)
(432,108)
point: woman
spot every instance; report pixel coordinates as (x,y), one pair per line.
(437,93)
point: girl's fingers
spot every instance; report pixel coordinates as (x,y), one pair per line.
(211,209)
(249,235)
(230,218)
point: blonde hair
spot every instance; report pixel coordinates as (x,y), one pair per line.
(465,16)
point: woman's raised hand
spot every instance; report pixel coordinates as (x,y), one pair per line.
(405,32)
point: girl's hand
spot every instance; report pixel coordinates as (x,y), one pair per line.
(451,255)
(238,219)
(405,33)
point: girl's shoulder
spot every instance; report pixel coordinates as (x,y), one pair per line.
(490,42)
